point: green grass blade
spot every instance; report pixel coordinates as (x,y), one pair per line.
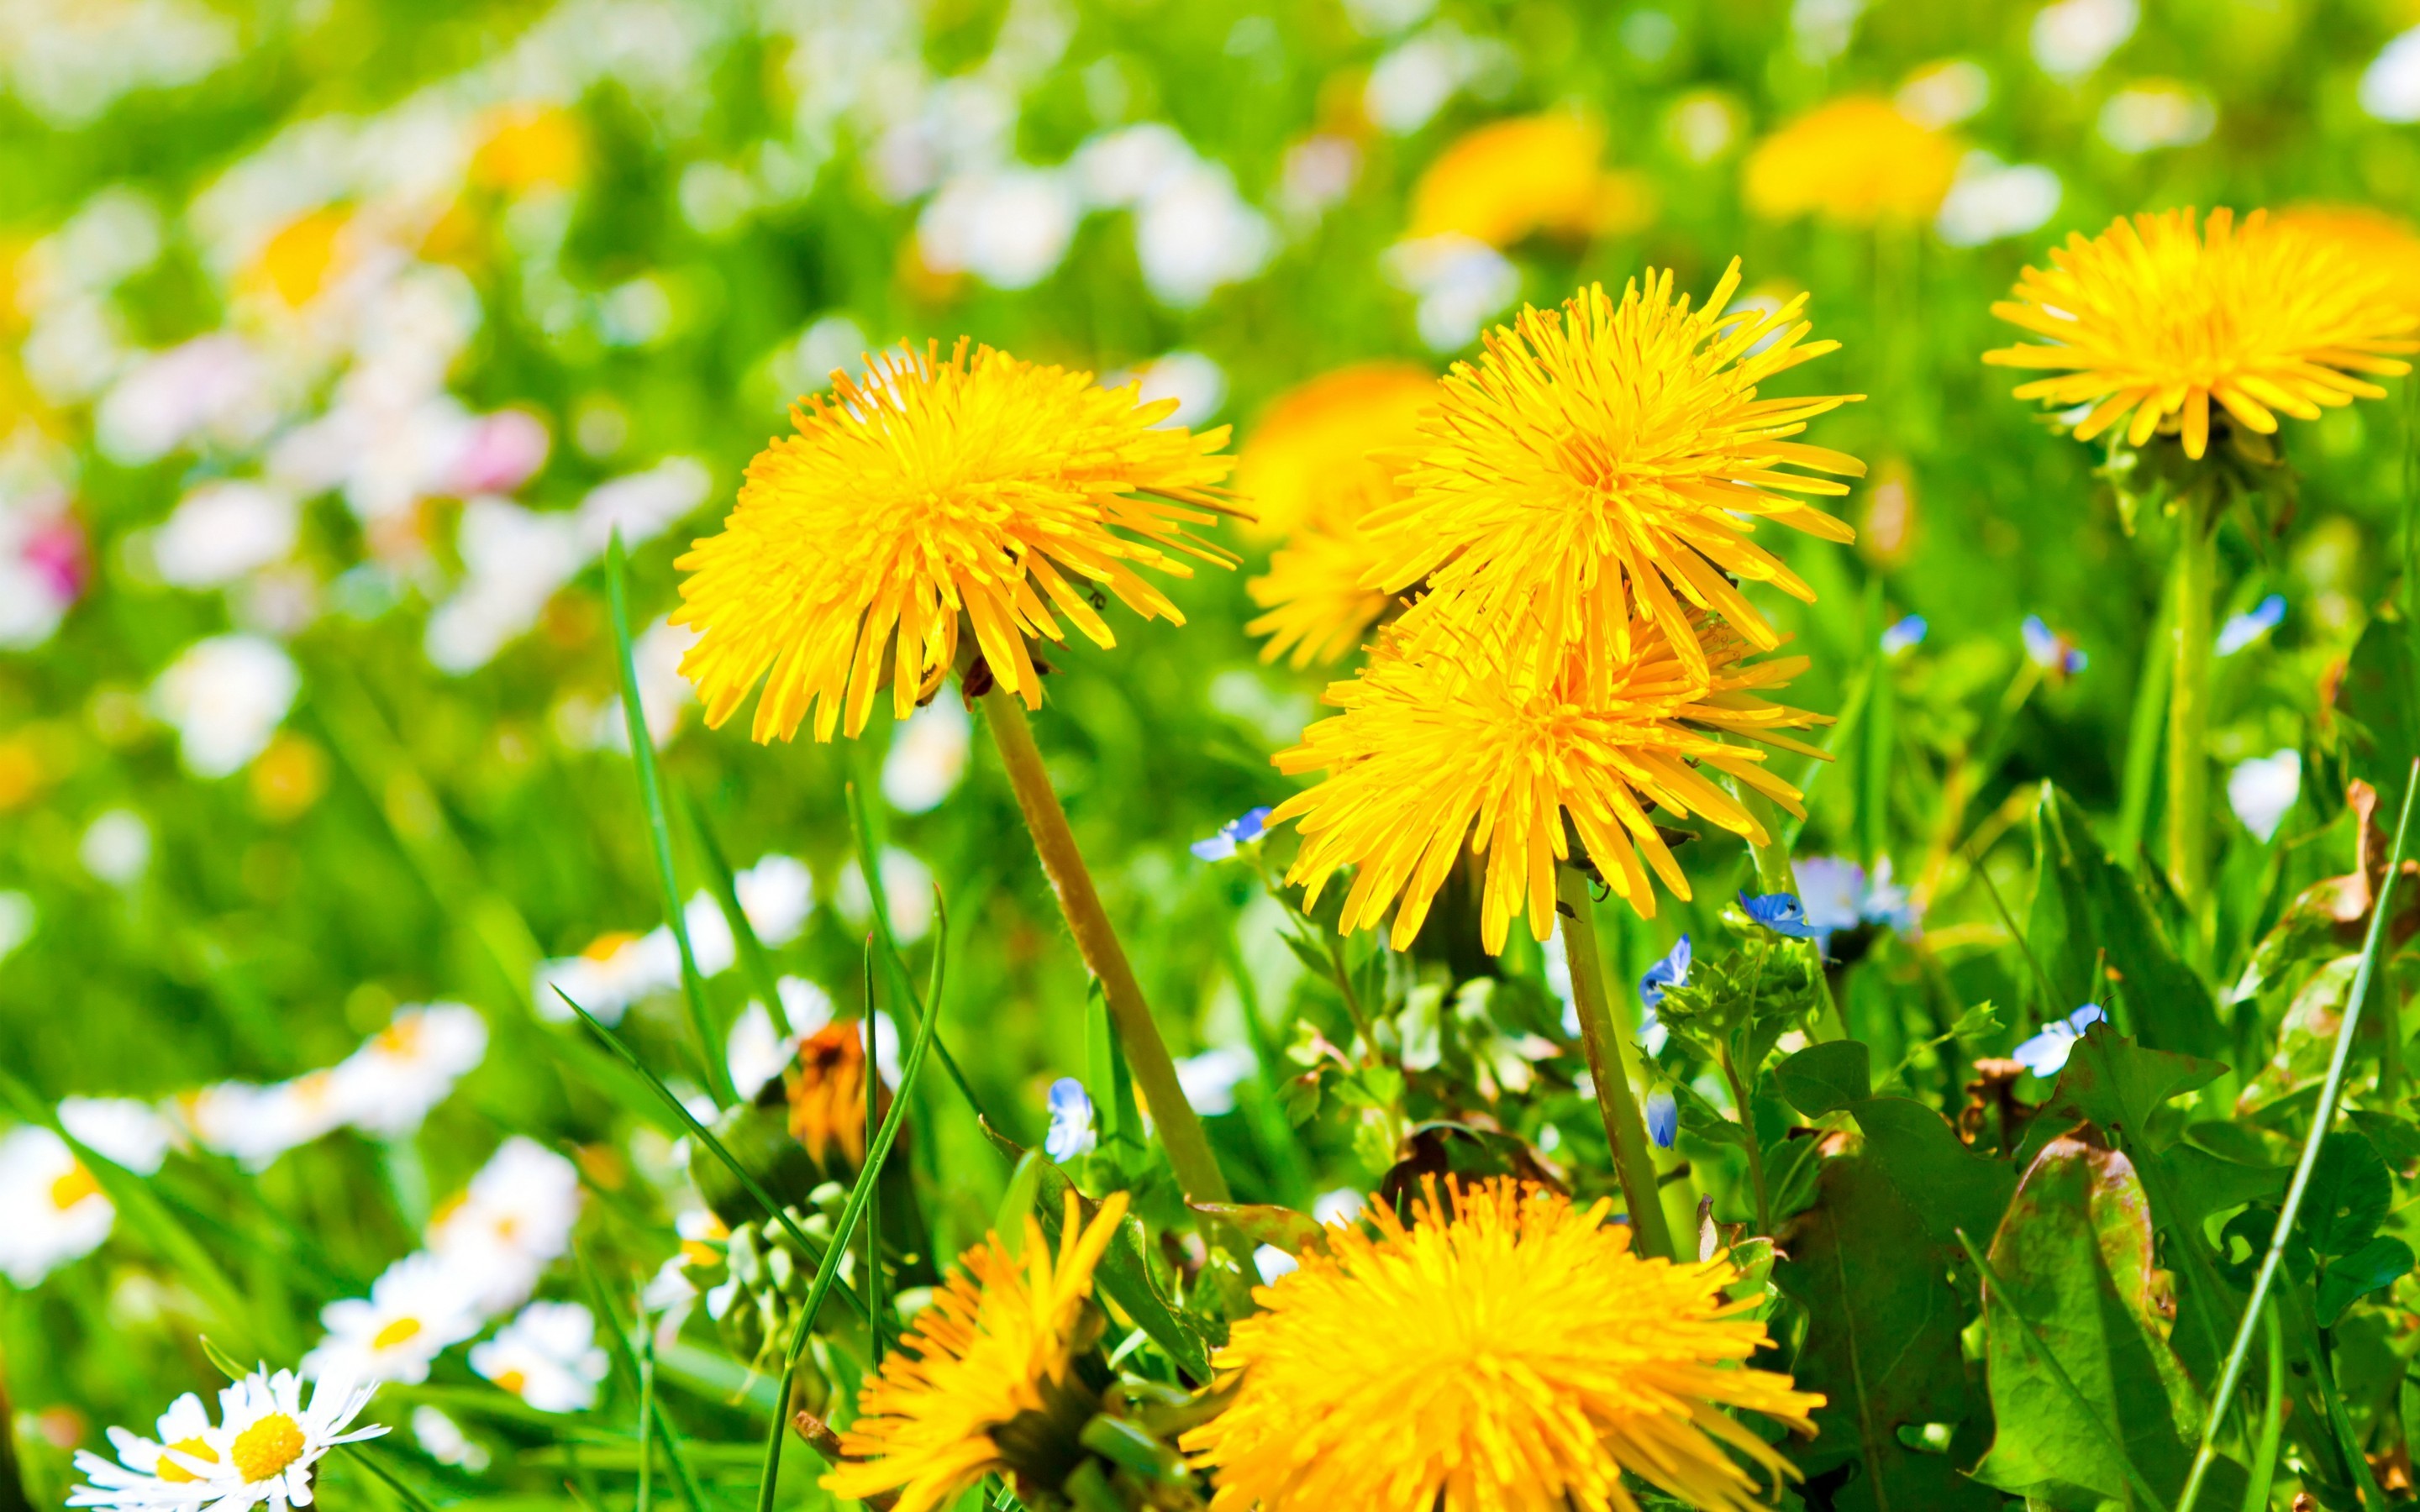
(647,1493)
(2273,1418)
(2050,1004)
(2322,1116)
(651,795)
(753,957)
(869,861)
(860,1193)
(874,1194)
(364,1456)
(704,1137)
(2151,1498)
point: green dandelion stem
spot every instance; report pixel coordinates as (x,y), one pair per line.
(1179,1128)
(1634,1158)
(2196,584)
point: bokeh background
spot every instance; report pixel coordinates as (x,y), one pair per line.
(337,337)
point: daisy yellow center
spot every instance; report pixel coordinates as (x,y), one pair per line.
(191,1449)
(401,1331)
(72,1188)
(512,1380)
(268,1446)
(401,1037)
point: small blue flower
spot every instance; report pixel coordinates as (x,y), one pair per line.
(2046,1053)
(2051,651)
(1904,635)
(1663,1120)
(1781,913)
(1071,1120)
(1672,971)
(2240,630)
(1232,836)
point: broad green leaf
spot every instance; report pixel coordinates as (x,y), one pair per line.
(1826,1077)
(2378,703)
(2119,1084)
(2076,1254)
(1944,1180)
(2397,1139)
(1881,1345)
(2206,1184)
(1701,1120)
(1291,1231)
(2376,1265)
(2083,906)
(2349,1196)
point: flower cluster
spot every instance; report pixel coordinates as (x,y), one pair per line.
(1574,528)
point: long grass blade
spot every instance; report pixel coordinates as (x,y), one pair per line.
(705,1137)
(873,1194)
(2135,1479)
(2273,1418)
(2321,1117)
(367,1457)
(660,830)
(860,1193)
(869,860)
(647,1493)
(753,957)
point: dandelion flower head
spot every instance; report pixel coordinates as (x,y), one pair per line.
(972,487)
(1513,178)
(1439,750)
(1855,162)
(1604,462)
(2383,243)
(1507,1349)
(998,1345)
(2156,319)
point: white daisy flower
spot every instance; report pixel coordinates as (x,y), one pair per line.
(148,1472)
(513,1222)
(261,1452)
(129,1131)
(414,1312)
(52,1210)
(256,1124)
(387,1086)
(548,1357)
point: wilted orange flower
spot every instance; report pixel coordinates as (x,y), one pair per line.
(826,1087)
(2156,319)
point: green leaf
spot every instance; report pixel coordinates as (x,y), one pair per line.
(2208,1184)
(2378,703)
(1826,1077)
(2083,906)
(1882,1345)
(2119,1084)
(2349,1196)
(1948,1183)
(1701,1120)
(2397,1139)
(2373,1267)
(2075,1257)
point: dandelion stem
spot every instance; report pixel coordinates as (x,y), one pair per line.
(1180,1129)
(1755,1153)
(1610,1067)
(2196,583)
(1775,873)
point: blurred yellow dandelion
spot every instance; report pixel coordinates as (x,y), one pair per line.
(938,489)
(1855,162)
(1513,178)
(1441,747)
(2154,319)
(1316,593)
(995,1346)
(1506,1350)
(2383,243)
(1599,459)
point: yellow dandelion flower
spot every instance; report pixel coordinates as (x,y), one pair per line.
(2385,244)
(1602,459)
(1316,593)
(530,147)
(1855,162)
(2155,319)
(993,1356)
(1506,1351)
(938,489)
(1513,178)
(1309,455)
(1320,456)
(1441,747)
